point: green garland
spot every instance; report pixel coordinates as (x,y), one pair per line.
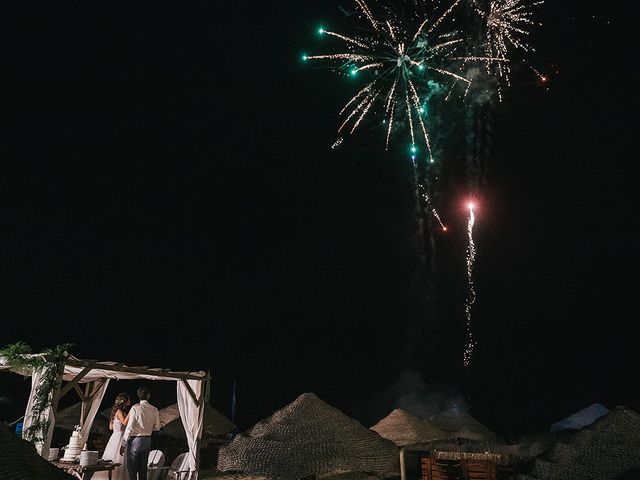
(51,362)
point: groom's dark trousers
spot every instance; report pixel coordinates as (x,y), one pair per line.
(137,457)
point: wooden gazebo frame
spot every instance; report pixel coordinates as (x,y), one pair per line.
(95,376)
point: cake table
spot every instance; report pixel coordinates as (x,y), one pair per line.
(85,472)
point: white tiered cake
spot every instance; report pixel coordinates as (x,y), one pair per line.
(72,451)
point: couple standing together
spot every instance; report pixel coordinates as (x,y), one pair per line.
(130,441)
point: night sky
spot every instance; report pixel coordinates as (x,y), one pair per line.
(169,198)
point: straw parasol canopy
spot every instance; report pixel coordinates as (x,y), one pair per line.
(69,417)
(402,428)
(462,425)
(608,449)
(20,461)
(308,437)
(214,424)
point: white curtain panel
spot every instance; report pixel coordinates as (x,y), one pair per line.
(192,417)
(36,376)
(41,447)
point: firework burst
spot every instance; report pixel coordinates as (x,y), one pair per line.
(402,57)
(405,58)
(506,29)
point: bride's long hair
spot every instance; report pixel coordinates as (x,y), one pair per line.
(120,404)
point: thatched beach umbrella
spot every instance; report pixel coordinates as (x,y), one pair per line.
(308,437)
(608,449)
(69,417)
(214,424)
(462,425)
(402,428)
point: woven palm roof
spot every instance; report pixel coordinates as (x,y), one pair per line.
(308,437)
(402,428)
(214,423)
(19,461)
(69,417)
(608,449)
(459,424)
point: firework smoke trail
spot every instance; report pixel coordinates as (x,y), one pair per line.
(418,207)
(471,293)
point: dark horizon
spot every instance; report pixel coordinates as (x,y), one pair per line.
(170,166)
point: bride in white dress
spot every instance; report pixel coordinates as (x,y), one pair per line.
(117,423)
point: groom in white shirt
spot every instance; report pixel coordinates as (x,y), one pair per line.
(143,419)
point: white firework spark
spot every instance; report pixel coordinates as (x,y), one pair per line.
(471,293)
(507,24)
(427,201)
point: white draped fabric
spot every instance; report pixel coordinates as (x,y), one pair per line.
(36,376)
(41,446)
(98,373)
(191,414)
(91,404)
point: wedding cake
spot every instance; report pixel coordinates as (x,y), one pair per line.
(72,451)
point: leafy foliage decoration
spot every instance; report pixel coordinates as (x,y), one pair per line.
(51,362)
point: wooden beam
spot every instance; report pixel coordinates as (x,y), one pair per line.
(119,367)
(90,391)
(191,392)
(75,380)
(207,388)
(80,392)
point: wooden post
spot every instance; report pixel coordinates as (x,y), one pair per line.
(86,402)
(403,470)
(204,398)
(195,399)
